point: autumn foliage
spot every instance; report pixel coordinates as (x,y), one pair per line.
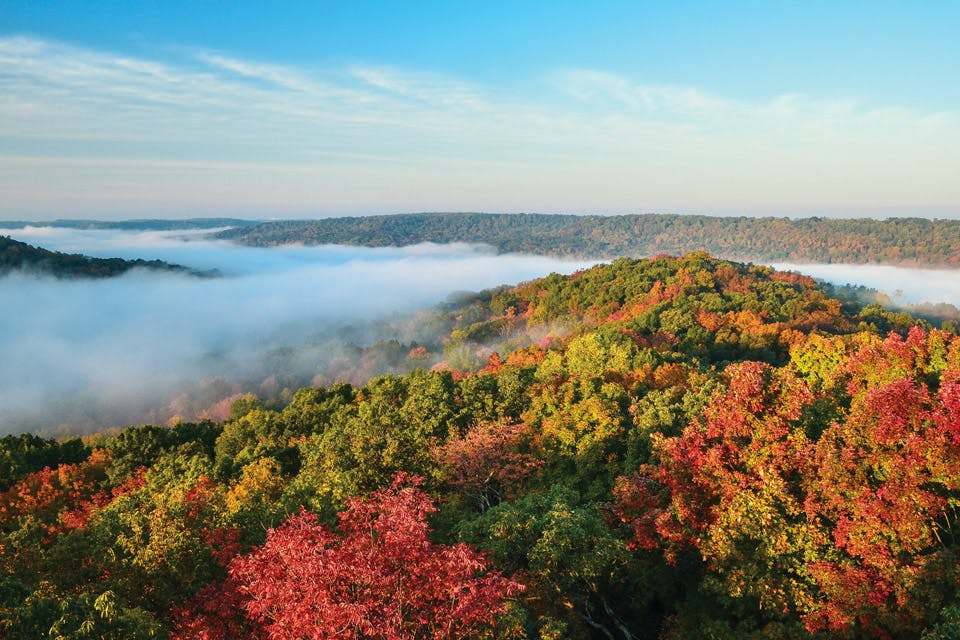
(846,529)
(376,576)
(675,448)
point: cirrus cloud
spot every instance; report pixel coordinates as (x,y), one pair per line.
(90,132)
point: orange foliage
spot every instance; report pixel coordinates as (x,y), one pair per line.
(494,364)
(526,357)
(50,493)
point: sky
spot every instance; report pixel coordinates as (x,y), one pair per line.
(132,109)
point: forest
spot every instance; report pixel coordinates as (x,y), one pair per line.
(676,447)
(903,241)
(16,256)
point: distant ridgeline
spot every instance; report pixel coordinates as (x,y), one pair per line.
(20,256)
(905,241)
(134,225)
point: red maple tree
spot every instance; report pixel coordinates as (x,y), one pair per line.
(378,576)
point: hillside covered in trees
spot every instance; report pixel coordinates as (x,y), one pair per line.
(903,241)
(22,257)
(667,448)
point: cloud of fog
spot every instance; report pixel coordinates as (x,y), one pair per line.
(903,285)
(98,353)
(93,354)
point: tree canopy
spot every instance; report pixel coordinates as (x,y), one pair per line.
(667,448)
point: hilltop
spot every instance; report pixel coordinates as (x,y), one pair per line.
(16,256)
(644,449)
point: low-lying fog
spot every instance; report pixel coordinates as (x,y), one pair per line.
(90,354)
(904,286)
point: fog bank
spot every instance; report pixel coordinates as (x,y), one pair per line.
(92,354)
(903,285)
(95,353)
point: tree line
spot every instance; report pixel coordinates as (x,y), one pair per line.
(16,256)
(904,241)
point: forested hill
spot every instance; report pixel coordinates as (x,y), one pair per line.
(678,448)
(22,257)
(905,241)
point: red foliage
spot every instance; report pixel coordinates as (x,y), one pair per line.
(65,491)
(215,613)
(744,442)
(895,358)
(379,577)
(487,463)
(78,518)
(456,374)
(881,479)
(871,494)
(641,502)
(547,342)
(224,543)
(733,282)
(947,415)
(846,589)
(658,293)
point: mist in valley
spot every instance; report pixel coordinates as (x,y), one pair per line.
(904,286)
(85,355)
(82,355)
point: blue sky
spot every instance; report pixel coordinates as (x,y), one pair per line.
(133,109)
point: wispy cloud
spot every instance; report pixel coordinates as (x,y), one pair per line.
(375,137)
(278,75)
(428,89)
(616,91)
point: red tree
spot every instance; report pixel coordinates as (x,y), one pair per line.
(853,530)
(378,577)
(52,493)
(884,481)
(486,464)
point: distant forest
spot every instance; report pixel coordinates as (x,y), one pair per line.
(20,256)
(904,241)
